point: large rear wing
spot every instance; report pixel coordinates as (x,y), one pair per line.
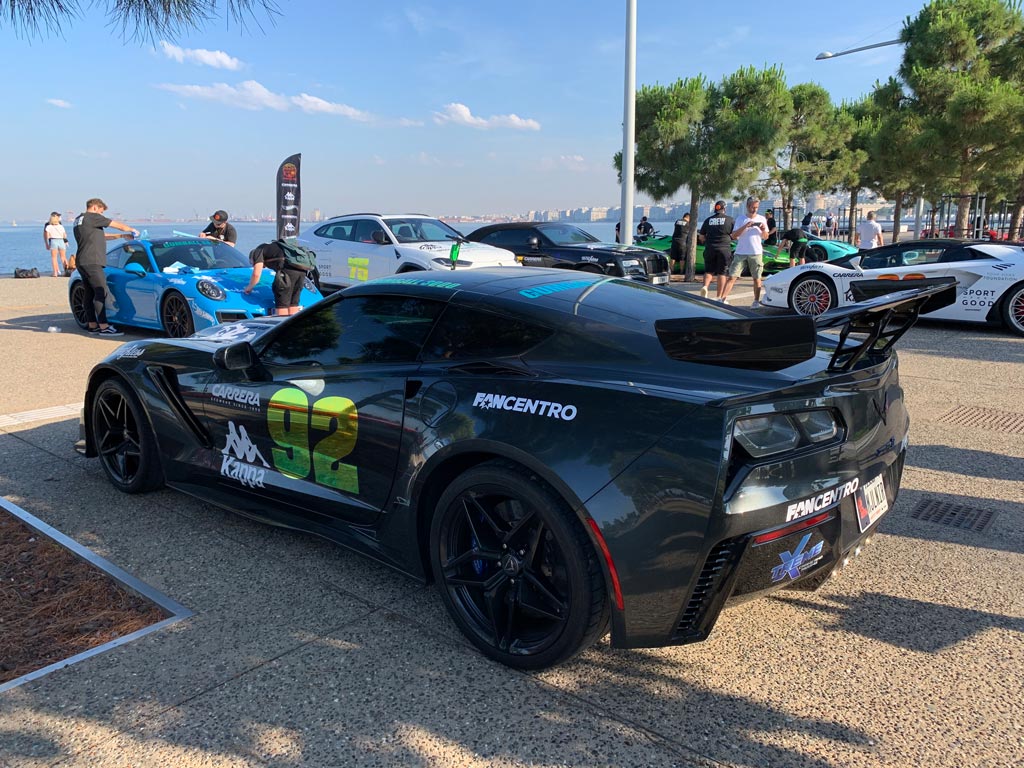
(773,343)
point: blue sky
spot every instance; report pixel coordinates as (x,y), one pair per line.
(444,108)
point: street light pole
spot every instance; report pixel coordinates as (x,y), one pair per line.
(628,127)
(829,55)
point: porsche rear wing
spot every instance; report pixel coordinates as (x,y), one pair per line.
(773,343)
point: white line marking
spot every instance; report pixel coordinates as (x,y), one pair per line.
(40,414)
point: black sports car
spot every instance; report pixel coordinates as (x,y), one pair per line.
(565,246)
(557,452)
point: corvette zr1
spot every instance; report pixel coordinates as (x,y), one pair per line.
(560,454)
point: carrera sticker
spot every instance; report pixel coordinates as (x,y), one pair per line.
(225,394)
(797,561)
(238,458)
(489,401)
(130,352)
(822,501)
(290,419)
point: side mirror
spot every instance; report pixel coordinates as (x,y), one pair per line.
(136,269)
(534,242)
(379,237)
(235,357)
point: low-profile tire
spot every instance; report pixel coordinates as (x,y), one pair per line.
(124,440)
(1013,309)
(820,254)
(76,298)
(812,294)
(176,316)
(516,569)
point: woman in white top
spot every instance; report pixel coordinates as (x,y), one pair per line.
(57,242)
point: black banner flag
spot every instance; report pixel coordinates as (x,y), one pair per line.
(289,197)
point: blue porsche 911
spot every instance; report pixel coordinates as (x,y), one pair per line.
(180,285)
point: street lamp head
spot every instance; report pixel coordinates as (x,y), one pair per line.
(824,55)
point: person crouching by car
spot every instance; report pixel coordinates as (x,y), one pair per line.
(795,240)
(288,281)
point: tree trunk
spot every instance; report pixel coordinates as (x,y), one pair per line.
(963,203)
(1017,218)
(853,210)
(691,237)
(896,222)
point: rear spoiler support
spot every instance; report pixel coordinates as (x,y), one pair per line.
(880,322)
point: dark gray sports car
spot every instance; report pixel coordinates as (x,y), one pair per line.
(558,452)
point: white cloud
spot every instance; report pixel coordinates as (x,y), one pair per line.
(59,103)
(573,162)
(246,95)
(460,114)
(215,59)
(314,105)
(408,122)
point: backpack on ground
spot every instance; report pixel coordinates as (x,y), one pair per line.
(297,256)
(19,272)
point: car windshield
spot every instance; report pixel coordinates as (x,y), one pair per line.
(420,230)
(566,234)
(191,255)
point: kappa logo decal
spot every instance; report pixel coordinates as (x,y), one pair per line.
(238,458)
(491,401)
(793,562)
(236,332)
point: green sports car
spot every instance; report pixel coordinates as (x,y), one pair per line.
(824,250)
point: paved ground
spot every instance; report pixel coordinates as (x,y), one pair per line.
(303,654)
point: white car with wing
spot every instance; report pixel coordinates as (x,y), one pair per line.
(989,278)
(362,246)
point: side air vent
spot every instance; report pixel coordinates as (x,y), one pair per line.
(709,586)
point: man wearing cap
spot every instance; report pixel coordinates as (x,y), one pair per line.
(219,229)
(92,258)
(644,228)
(750,232)
(716,234)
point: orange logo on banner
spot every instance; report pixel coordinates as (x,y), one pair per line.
(289,172)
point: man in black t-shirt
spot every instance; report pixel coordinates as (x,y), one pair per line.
(91,258)
(219,229)
(716,234)
(288,281)
(773,230)
(644,228)
(678,248)
(796,240)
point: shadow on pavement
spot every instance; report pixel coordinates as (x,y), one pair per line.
(973,341)
(945,458)
(66,322)
(906,623)
(1004,538)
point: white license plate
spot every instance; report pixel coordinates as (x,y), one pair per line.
(659,279)
(872,503)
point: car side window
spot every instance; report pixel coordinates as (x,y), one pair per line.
(467,334)
(355,331)
(116,257)
(963,253)
(136,254)
(515,239)
(339,230)
(364,229)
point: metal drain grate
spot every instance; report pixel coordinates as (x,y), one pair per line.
(986,418)
(953,515)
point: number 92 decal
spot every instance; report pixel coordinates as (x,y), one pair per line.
(291,419)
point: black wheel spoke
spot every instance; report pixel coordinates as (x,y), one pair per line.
(535,540)
(520,524)
(485,583)
(493,601)
(469,556)
(560,609)
(511,598)
(487,516)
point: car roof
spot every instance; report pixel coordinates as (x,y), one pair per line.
(383,215)
(517,225)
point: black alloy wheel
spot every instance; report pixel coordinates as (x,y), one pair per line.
(77,301)
(516,569)
(1013,309)
(123,439)
(177,317)
(820,254)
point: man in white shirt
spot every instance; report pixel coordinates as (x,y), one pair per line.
(869,233)
(750,231)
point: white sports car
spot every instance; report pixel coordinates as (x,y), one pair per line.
(363,246)
(989,277)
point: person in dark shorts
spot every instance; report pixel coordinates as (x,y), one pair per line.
(773,230)
(91,258)
(677,252)
(795,240)
(716,234)
(288,281)
(219,229)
